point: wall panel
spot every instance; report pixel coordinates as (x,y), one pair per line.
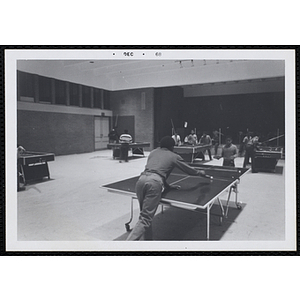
(59,133)
(139,105)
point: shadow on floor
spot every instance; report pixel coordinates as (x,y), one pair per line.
(32,182)
(181,225)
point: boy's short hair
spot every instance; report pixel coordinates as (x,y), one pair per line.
(167,142)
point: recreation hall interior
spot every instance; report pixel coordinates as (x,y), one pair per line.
(66,109)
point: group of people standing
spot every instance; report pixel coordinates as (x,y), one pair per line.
(192,139)
(229,151)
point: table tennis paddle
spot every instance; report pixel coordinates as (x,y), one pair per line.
(207,176)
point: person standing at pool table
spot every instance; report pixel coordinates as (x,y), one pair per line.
(20,151)
(125,139)
(152,183)
(215,141)
(229,153)
(250,152)
(244,146)
(113,136)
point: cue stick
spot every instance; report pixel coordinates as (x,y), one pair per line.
(116,122)
(175,134)
(173,126)
(274,138)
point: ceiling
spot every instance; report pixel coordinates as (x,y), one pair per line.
(121,74)
(115,68)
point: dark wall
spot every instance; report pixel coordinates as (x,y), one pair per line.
(59,133)
(262,113)
(125,123)
(168,105)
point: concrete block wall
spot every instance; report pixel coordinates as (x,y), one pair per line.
(168,106)
(139,104)
(59,133)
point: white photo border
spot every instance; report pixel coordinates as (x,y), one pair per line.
(12,243)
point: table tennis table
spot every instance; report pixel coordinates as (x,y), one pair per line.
(136,148)
(190,152)
(196,193)
(266,158)
(34,165)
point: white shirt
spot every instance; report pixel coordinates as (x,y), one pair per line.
(176,138)
(125,138)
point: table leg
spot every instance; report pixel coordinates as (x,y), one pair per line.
(127,226)
(208,222)
(23,174)
(47,170)
(238,204)
(222,211)
(235,189)
(227,203)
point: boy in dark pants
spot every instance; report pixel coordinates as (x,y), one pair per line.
(125,139)
(152,183)
(250,152)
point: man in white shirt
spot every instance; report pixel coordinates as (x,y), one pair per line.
(125,139)
(176,138)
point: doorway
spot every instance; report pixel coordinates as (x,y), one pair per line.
(101,132)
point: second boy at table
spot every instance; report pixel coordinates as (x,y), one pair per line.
(229,153)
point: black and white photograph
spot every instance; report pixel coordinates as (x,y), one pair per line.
(150,150)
